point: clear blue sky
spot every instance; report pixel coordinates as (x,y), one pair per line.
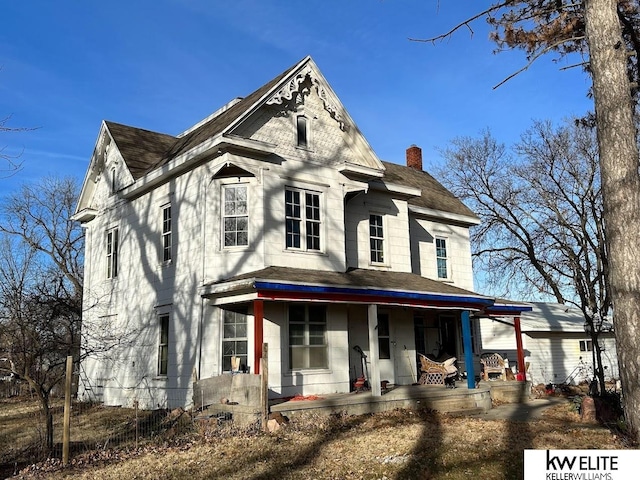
(165,64)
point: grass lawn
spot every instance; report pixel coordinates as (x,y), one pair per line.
(398,444)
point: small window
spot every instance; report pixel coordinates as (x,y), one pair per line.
(166,234)
(113,180)
(441,257)
(586,345)
(301,124)
(302,219)
(234,341)
(163,345)
(112,253)
(235,216)
(376,238)
(307,336)
(384,344)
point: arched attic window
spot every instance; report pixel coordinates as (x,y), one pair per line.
(302,131)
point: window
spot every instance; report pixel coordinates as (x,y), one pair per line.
(113,180)
(235,216)
(384,344)
(302,213)
(307,336)
(441,257)
(301,125)
(586,345)
(234,341)
(166,233)
(163,345)
(376,238)
(112,253)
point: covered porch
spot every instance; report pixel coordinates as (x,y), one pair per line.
(367,323)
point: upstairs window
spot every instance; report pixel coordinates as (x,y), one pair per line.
(376,238)
(163,345)
(166,234)
(112,253)
(441,257)
(302,218)
(302,133)
(235,216)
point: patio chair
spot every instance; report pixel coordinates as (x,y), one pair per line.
(492,363)
(433,372)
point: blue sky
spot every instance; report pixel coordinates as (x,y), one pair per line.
(165,64)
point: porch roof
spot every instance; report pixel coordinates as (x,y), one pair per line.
(353,286)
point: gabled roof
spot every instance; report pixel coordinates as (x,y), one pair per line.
(434,195)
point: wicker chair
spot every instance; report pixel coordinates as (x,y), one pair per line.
(492,363)
(433,372)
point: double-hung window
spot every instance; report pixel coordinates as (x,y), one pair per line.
(163,345)
(234,341)
(166,233)
(441,257)
(112,253)
(302,218)
(235,216)
(307,336)
(376,238)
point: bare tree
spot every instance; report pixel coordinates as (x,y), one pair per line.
(606,34)
(40,286)
(541,207)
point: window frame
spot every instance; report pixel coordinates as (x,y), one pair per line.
(235,215)
(303,220)
(442,260)
(308,333)
(379,252)
(112,252)
(236,339)
(302,132)
(163,344)
(167,233)
(586,345)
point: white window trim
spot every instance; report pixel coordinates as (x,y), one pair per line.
(287,337)
(160,317)
(248,318)
(446,257)
(112,249)
(385,257)
(303,220)
(169,234)
(223,188)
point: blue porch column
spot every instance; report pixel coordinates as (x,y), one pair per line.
(468,350)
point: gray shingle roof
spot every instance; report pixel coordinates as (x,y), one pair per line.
(434,194)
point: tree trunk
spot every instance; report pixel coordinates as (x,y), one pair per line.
(621,189)
(48,418)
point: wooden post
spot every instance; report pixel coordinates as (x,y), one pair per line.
(258,327)
(264,385)
(468,349)
(67,412)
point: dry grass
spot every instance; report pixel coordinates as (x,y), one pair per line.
(399,444)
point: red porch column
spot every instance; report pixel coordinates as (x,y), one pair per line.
(258,334)
(520,350)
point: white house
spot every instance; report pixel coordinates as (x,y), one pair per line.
(271,221)
(555,344)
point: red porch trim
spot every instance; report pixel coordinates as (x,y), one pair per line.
(258,336)
(520,350)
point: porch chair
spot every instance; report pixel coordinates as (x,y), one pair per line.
(492,363)
(433,372)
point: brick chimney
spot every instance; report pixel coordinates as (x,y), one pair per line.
(414,157)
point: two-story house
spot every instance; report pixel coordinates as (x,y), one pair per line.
(271,221)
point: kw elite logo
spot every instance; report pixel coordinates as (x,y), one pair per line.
(581,467)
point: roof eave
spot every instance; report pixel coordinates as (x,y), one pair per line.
(443,215)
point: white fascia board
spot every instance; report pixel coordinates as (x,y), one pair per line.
(221,288)
(456,217)
(188,159)
(395,188)
(360,170)
(229,300)
(84,215)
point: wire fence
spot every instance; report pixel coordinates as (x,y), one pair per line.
(93,428)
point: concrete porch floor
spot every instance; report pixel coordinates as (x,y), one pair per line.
(435,397)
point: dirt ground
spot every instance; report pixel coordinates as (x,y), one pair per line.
(393,445)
